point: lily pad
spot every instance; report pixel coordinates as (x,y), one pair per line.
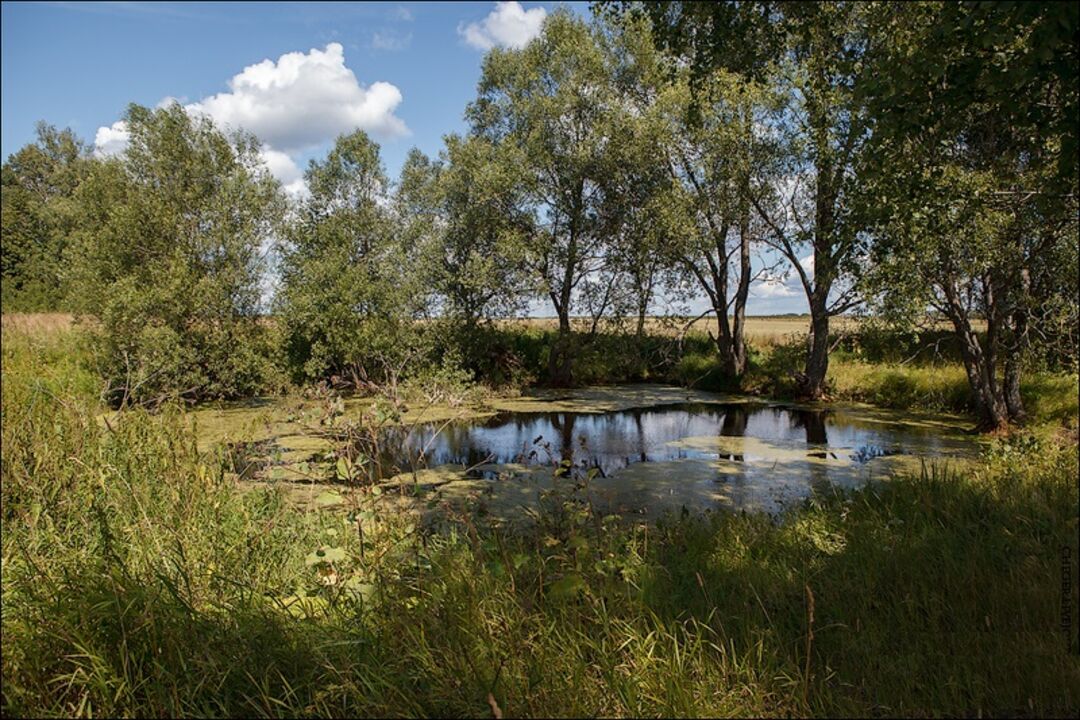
(325,554)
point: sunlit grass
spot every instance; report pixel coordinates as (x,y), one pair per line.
(139,579)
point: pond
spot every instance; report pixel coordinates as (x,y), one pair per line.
(645,460)
(641,450)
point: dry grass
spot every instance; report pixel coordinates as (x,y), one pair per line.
(34,323)
(762,330)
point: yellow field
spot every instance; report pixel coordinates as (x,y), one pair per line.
(37,323)
(760,331)
(764,330)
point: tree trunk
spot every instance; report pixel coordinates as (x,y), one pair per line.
(979,364)
(812,383)
(742,291)
(1013,402)
(560,359)
(1018,327)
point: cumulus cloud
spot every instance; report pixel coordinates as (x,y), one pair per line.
(773,288)
(111,140)
(285,169)
(508,25)
(304,99)
(294,104)
(786,285)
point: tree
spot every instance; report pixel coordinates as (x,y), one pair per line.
(168,259)
(638,216)
(813,55)
(39,183)
(344,301)
(976,204)
(719,161)
(547,107)
(462,213)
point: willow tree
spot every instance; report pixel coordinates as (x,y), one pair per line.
(39,216)
(344,300)
(812,55)
(462,213)
(976,201)
(721,162)
(548,106)
(169,256)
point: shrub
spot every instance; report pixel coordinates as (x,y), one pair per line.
(168,258)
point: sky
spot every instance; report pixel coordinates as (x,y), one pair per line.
(295,74)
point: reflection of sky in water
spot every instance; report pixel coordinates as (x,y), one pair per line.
(693,431)
(663,458)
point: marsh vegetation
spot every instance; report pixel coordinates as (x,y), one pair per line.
(383,491)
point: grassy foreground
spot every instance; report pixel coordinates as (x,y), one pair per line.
(139,580)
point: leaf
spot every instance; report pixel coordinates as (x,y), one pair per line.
(363,589)
(567,588)
(325,554)
(329,499)
(577,543)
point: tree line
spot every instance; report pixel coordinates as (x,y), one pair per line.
(899,159)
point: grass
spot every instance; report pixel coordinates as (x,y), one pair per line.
(138,579)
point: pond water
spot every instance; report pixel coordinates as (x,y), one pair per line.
(654,448)
(700,455)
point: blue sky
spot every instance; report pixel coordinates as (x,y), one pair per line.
(296,74)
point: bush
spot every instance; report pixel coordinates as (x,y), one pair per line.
(167,260)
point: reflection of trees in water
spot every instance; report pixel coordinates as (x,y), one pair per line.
(734,425)
(642,447)
(813,421)
(564,426)
(817,441)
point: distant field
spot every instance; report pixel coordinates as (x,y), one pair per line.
(760,330)
(763,329)
(37,322)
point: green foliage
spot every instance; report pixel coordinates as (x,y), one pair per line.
(141,579)
(551,109)
(39,215)
(973,203)
(462,214)
(345,299)
(167,261)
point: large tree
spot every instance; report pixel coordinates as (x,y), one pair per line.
(39,215)
(547,106)
(169,255)
(344,301)
(976,202)
(720,162)
(461,212)
(812,53)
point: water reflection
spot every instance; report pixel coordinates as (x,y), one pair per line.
(614,440)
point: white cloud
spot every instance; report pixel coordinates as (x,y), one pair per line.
(286,170)
(111,140)
(508,25)
(773,288)
(303,100)
(390,40)
(299,102)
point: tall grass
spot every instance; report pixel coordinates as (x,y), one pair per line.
(139,579)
